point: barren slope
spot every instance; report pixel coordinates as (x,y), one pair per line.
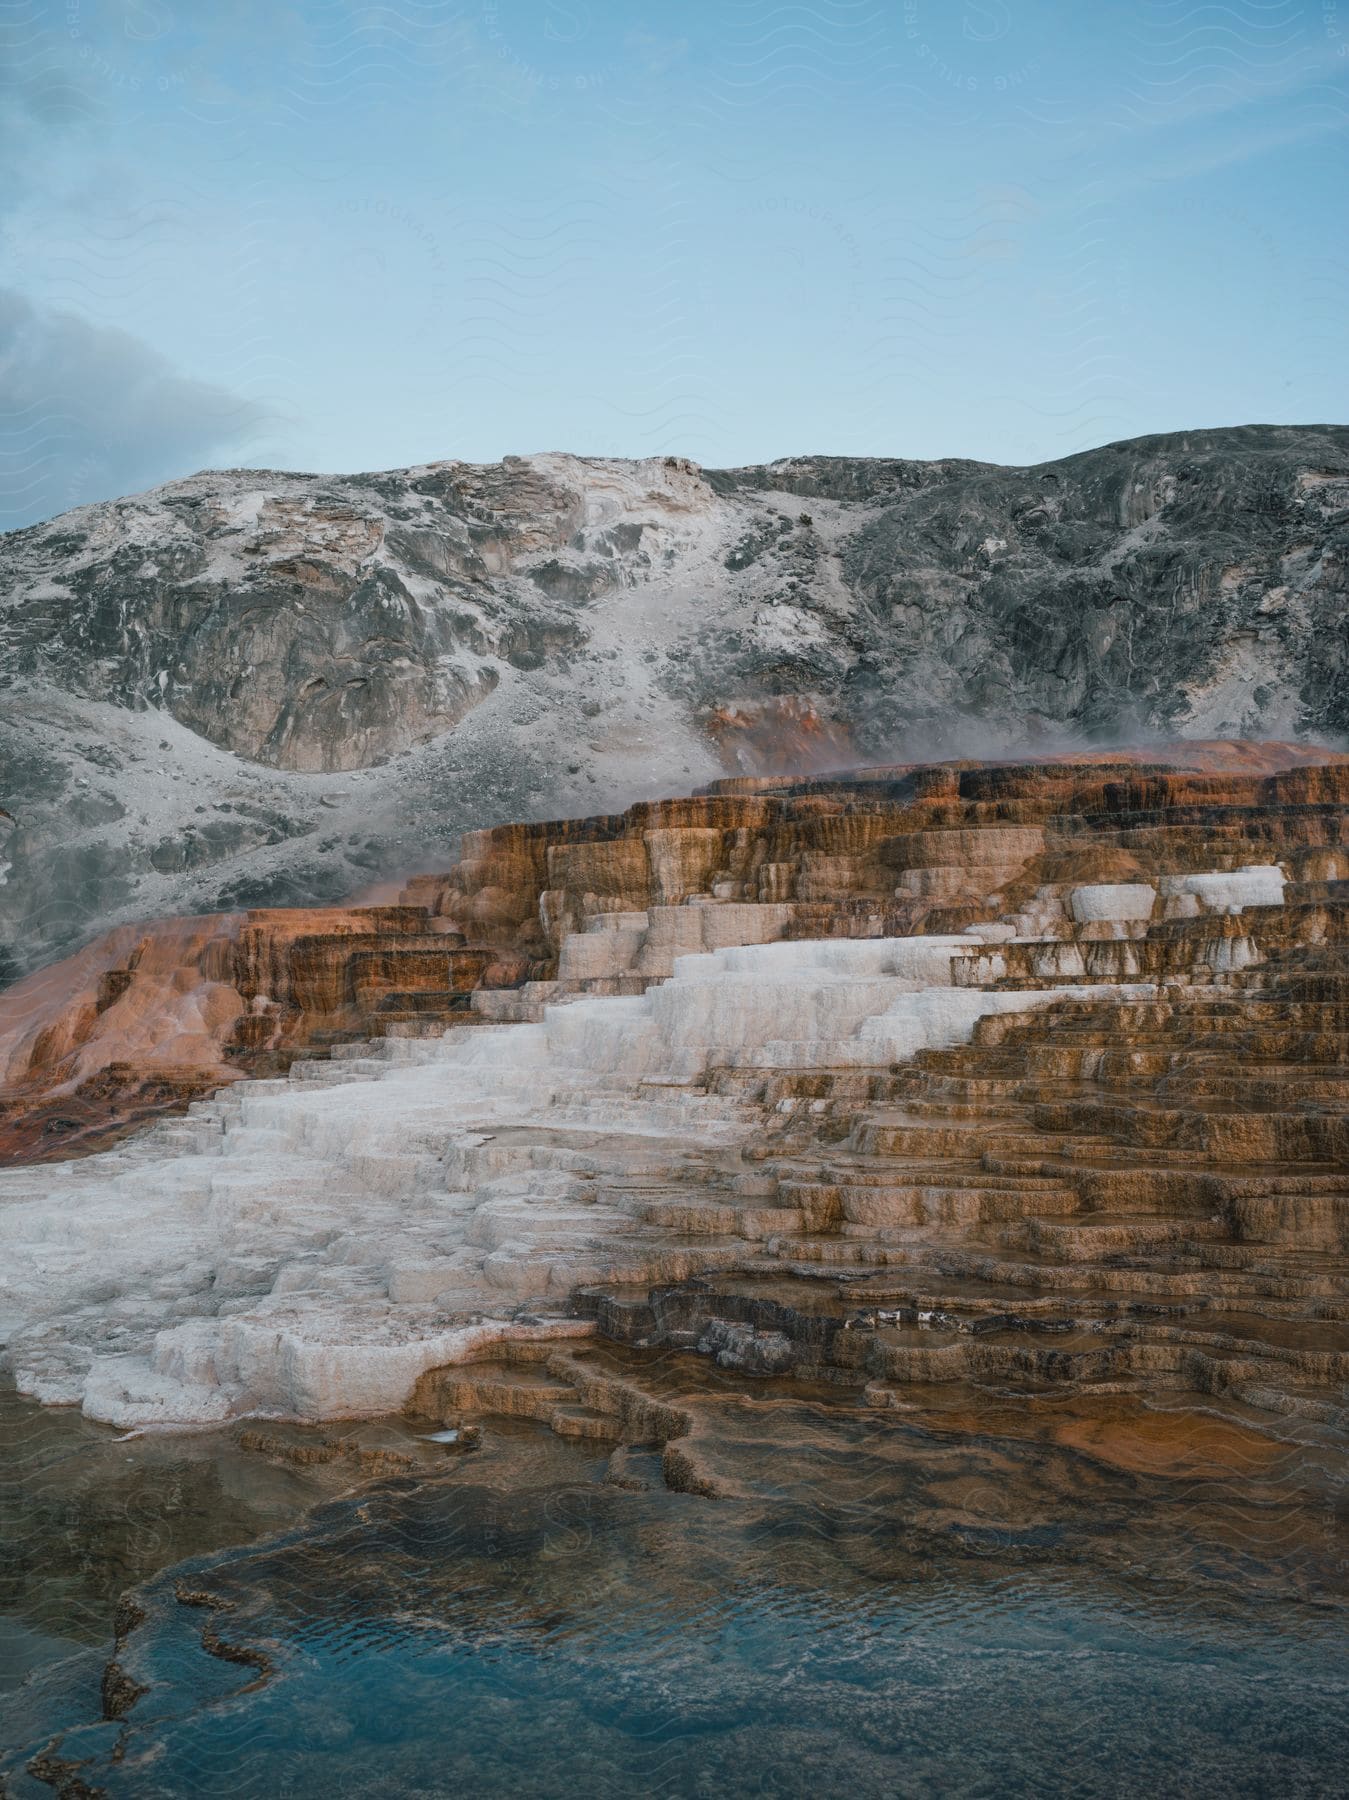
(253,687)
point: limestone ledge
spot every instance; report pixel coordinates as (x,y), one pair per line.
(1118,1102)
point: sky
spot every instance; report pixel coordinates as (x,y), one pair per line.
(335,237)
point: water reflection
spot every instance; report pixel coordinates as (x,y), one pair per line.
(1099,1599)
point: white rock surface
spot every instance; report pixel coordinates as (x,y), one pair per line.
(1255,884)
(310,1246)
(1120,903)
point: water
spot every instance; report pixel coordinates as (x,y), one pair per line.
(931,1606)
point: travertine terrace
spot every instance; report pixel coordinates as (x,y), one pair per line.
(1030,1076)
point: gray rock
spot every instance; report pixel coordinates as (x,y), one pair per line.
(554,633)
(738,1346)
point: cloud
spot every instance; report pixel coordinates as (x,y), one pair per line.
(88,412)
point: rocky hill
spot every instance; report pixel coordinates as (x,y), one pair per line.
(251,687)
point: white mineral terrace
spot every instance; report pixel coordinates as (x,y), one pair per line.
(310,1246)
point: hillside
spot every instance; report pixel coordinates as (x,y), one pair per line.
(260,688)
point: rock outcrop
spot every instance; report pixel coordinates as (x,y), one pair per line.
(252,688)
(147,1017)
(1024,1075)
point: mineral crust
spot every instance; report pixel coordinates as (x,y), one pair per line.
(1022,1075)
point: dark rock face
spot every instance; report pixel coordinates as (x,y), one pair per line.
(184,673)
(302,624)
(1161,584)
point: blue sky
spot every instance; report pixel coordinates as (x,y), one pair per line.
(334,237)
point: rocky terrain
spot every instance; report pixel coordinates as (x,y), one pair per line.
(251,688)
(1027,1076)
(916,1196)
